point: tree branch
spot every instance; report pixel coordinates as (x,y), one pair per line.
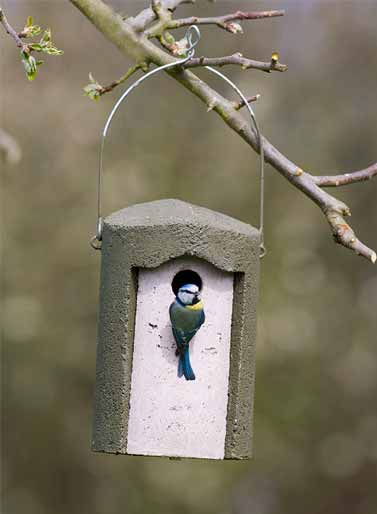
(224,22)
(94,90)
(239,60)
(346,178)
(12,32)
(147,16)
(140,48)
(126,76)
(238,105)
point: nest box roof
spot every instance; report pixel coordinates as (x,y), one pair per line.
(156,232)
(177,212)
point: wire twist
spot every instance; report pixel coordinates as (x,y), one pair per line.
(193,37)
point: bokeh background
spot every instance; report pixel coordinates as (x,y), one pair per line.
(316,391)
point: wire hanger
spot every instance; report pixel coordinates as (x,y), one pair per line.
(193,37)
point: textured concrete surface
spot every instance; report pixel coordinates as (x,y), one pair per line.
(146,236)
(169,415)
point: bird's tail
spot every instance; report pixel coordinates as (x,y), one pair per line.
(184,365)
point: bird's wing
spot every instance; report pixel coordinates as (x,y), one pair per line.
(183,337)
(171,311)
(202,319)
(181,334)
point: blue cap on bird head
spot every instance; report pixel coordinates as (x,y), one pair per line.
(189,294)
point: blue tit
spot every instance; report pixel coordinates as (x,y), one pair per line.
(186,316)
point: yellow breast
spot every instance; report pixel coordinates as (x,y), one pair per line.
(197,307)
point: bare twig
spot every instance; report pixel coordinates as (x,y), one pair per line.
(137,46)
(344,235)
(12,32)
(346,178)
(164,40)
(236,59)
(163,15)
(147,16)
(94,90)
(126,76)
(238,105)
(226,21)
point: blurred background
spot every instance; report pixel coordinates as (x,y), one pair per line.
(315,439)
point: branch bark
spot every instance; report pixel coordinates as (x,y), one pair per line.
(147,16)
(239,60)
(238,105)
(346,178)
(94,90)
(225,22)
(12,32)
(137,46)
(116,83)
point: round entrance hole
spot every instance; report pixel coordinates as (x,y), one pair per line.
(184,277)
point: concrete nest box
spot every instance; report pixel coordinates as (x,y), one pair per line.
(141,406)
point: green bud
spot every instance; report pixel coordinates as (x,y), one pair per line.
(93,91)
(46,38)
(30,65)
(51,50)
(36,47)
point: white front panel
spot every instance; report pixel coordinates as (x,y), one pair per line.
(168,415)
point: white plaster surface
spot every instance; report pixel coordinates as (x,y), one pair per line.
(168,415)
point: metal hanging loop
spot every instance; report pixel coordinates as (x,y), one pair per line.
(95,242)
(262,247)
(193,37)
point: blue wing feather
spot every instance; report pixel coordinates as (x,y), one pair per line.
(180,367)
(185,324)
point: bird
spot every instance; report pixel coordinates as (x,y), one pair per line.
(186,316)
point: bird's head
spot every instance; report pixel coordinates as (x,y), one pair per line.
(189,294)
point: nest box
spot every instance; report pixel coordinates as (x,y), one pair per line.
(141,406)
